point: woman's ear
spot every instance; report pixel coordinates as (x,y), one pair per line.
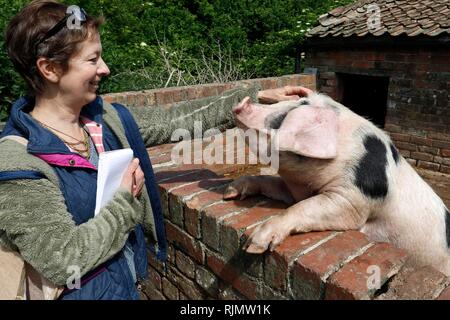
(49,70)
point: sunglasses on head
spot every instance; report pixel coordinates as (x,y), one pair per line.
(79,14)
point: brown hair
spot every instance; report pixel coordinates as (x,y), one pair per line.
(29,26)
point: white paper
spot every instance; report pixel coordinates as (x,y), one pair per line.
(111,168)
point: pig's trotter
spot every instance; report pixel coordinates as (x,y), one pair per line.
(272,187)
(267,236)
(243,187)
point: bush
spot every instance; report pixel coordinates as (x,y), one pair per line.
(180,42)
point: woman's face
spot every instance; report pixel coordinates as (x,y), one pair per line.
(86,68)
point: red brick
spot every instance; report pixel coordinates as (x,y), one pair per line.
(411,162)
(422,67)
(375,56)
(439,136)
(171,254)
(424,84)
(395,57)
(226,292)
(422,156)
(421,141)
(193,93)
(234,226)
(208,90)
(185,177)
(277,263)
(440,160)
(351,281)
(406,146)
(155,263)
(400,137)
(185,242)
(392,128)
(430,150)
(180,195)
(192,221)
(211,218)
(441,144)
(219,169)
(154,294)
(164,96)
(268,83)
(154,278)
(415,284)
(246,286)
(311,270)
(445,169)
(267,293)
(445,152)
(406,154)
(108,98)
(161,149)
(288,81)
(129,98)
(363,64)
(185,264)
(193,207)
(174,179)
(207,280)
(168,174)
(428,165)
(162,158)
(170,290)
(185,285)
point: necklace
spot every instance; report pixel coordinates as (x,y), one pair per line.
(84,151)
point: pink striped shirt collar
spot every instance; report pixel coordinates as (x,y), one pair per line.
(95,130)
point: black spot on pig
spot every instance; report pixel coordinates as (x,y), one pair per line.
(304,102)
(371,176)
(395,153)
(447,226)
(274,120)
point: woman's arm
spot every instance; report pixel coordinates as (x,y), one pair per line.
(34,218)
(157,124)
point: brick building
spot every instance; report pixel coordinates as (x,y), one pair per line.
(389,60)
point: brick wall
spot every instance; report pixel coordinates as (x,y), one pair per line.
(205,235)
(418,112)
(170,96)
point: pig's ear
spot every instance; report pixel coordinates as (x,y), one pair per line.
(310,131)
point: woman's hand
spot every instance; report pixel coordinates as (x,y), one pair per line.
(133,179)
(281,94)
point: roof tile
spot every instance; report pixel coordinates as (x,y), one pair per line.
(413,17)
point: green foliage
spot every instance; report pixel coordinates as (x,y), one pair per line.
(179,42)
(11,86)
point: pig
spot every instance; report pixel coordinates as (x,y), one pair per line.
(338,171)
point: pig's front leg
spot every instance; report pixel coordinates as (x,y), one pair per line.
(326,211)
(271,186)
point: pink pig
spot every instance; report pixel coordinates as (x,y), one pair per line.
(338,171)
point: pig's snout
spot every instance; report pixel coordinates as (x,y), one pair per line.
(244,105)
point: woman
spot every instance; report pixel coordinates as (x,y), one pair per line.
(51,221)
